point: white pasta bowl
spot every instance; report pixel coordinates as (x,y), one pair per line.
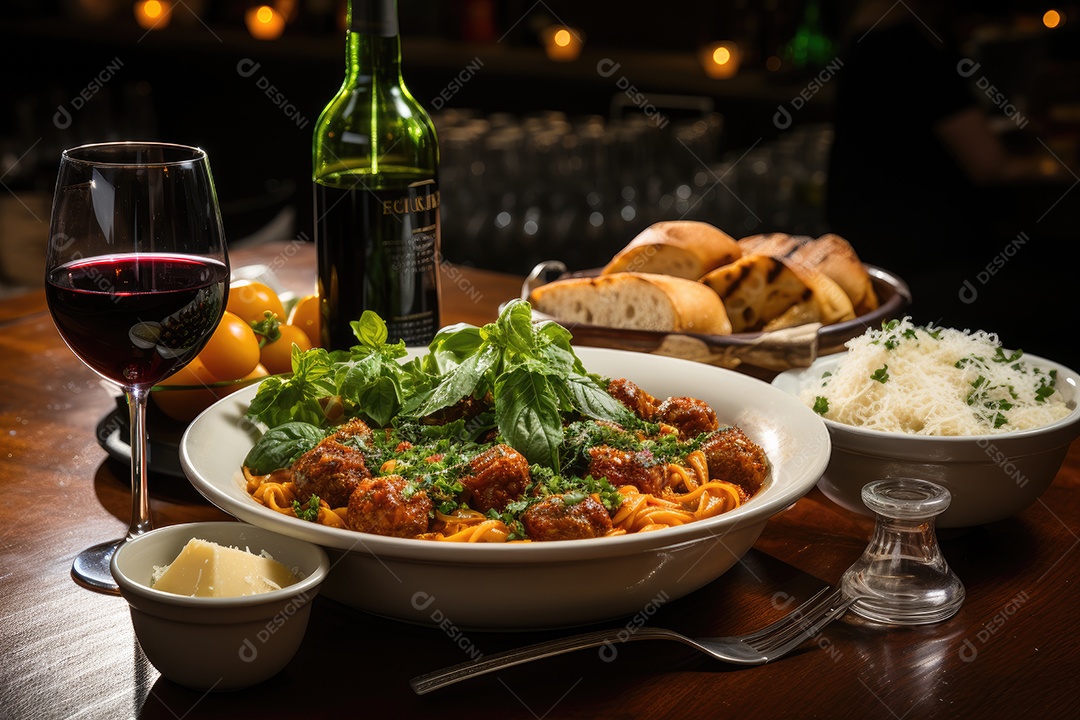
(991,477)
(542,584)
(218,643)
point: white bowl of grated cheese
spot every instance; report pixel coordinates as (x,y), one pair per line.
(953,407)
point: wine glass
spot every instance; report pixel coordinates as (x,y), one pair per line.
(135,277)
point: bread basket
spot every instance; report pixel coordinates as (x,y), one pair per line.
(761,354)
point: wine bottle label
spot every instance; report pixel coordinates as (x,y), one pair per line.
(378,250)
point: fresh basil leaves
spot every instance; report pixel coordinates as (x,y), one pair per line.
(528,372)
(280,446)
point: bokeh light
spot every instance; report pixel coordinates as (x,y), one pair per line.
(153,14)
(264,23)
(721,59)
(563,44)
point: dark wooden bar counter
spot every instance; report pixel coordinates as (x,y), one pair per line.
(69,652)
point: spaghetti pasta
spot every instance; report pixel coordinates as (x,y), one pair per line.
(279,494)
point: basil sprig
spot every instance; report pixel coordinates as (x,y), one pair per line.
(365,381)
(527,371)
(532,373)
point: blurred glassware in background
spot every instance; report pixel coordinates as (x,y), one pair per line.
(522,189)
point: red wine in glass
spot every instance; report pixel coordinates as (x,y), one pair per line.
(136,319)
(136,276)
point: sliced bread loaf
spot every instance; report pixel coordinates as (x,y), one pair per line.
(641,301)
(680,248)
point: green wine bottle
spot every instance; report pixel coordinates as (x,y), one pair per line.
(375,173)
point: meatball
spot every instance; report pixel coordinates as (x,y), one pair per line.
(733,457)
(690,416)
(354,428)
(621,467)
(494,478)
(634,398)
(554,519)
(331,471)
(385,506)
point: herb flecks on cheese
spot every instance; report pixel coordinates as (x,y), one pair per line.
(935,381)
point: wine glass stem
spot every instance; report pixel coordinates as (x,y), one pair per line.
(140,497)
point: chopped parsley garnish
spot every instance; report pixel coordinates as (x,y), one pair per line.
(1001,357)
(1045,387)
(511,517)
(891,340)
(444,491)
(309,512)
(881,374)
(821,405)
(990,402)
(547,482)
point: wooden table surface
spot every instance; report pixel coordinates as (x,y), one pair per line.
(70,652)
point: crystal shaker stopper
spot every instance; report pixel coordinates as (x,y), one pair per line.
(902,577)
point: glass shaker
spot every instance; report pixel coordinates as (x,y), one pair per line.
(902,577)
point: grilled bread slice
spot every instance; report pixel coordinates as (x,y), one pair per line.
(829,254)
(778,245)
(680,248)
(833,256)
(639,301)
(761,292)
(832,303)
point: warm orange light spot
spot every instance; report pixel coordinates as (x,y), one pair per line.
(721,59)
(562,43)
(264,23)
(1052,18)
(153,14)
(773,63)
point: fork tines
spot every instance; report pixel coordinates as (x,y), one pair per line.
(800,624)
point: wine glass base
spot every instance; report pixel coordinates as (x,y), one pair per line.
(91,567)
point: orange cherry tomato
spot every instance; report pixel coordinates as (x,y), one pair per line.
(228,388)
(232,351)
(260,371)
(250,300)
(305,315)
(276,356)
(184,405)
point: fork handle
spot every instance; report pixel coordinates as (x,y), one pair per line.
(455,673)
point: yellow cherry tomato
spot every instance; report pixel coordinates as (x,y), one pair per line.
(184,405)
(276,356)
(250,300)
(305,315)
(260,371)
(232,351)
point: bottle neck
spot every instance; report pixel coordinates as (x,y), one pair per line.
(373,46)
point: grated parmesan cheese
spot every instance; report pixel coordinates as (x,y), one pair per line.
(934,381)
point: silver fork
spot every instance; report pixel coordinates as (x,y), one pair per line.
(756,648)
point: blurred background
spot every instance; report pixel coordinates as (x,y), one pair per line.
(567,127)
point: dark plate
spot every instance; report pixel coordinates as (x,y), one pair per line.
(761,353)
